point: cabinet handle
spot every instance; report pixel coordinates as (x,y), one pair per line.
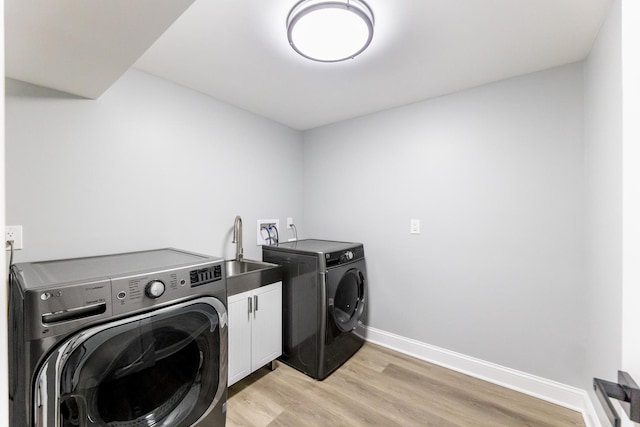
(255,301)
(249,298)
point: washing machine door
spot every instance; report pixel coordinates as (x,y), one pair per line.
(346,304)
(167,367)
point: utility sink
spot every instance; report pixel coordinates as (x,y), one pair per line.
(247,275)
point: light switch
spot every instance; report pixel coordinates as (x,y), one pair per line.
(415,226)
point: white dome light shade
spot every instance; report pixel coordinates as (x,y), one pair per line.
(330,31)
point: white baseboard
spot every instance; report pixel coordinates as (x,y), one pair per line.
(589,413)
(560,394)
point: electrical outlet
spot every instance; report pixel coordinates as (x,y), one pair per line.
(268,232)
(289,222)
(13,233)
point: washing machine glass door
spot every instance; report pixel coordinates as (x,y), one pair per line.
(164,368)
(348,302)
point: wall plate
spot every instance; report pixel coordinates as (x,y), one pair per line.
(266,232)
(13,233)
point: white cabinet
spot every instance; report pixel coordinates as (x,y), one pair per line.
(255,329)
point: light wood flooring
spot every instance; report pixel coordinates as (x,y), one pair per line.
(380,387)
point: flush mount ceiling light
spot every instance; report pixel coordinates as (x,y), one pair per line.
(330,31)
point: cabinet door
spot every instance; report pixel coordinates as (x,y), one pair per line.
(267,325)
(239,336)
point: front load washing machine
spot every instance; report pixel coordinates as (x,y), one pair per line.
(323,300)
(136,339)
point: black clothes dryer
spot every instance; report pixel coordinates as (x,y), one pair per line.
(137,339)
(323,300)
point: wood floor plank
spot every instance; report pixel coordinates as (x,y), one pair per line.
(258,408)
(311,414)
(350,384)
(284,389)
(493,394)
(468,404)
(423,395)
(353,410)
(378,386)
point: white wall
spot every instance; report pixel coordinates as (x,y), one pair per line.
(496,176)
(4,385)
(150,164)
(631,189)
(603,160)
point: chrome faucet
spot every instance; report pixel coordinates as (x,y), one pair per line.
(237,237)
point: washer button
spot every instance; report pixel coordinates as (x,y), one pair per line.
(121,295)
(154,289)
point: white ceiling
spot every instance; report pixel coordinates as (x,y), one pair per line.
(237,51)
(81,47)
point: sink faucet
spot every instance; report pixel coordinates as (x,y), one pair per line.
(237,237)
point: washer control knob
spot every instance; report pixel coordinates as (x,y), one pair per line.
(154,289)
(348,255)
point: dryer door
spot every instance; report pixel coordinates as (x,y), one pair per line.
(167,367)
(346,305)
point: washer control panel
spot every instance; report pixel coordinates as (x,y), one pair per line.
(344,256)
(146,290)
